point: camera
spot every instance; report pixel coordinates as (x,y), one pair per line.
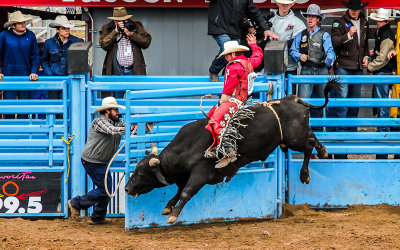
(248,24)
(129,25)
(267,18)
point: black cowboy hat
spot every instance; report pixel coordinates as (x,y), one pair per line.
(355,4)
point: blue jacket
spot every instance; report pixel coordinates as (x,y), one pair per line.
(19,54)
(54,57)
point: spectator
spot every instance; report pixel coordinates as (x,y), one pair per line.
(395,111)
(19,54)
(238,76)
(225,18)
(349,38)
(124,39)
(102,143)
(286,26)
(54,57)
(313,48)
(380,65)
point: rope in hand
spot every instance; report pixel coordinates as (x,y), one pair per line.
(133,132)
(68,141)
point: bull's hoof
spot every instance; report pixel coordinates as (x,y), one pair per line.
(305,177)
(172,219)
(166,211)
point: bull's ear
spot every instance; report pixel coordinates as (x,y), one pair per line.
(147,152)
(154,162)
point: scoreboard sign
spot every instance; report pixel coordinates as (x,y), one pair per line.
(30,192)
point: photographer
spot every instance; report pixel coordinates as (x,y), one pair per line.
(123,39)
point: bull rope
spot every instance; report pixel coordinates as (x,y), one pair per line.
(269,105)
(270,90)
(112,160)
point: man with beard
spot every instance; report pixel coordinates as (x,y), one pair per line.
(102,143)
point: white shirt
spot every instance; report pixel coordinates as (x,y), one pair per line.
(287,28)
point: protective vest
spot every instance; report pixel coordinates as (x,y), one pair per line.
(241,91)
(313,47)
(385,33)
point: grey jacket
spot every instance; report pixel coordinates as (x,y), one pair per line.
(100,147)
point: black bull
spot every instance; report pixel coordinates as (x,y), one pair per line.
(182,162)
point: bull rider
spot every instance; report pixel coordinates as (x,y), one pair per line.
(238,80)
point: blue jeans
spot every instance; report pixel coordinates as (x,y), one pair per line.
(13,94)
(346,91)
(305,90)
(219,62)
(120,71)
(382,91)
(98,196)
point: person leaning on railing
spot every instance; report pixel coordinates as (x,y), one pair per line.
(19,54)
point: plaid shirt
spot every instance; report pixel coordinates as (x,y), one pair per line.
(107,126)
(124,51)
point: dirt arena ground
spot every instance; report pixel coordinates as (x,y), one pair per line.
(359,227)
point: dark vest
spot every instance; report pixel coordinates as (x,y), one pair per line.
(385,33)
(313,47)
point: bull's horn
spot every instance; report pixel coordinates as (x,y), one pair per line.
(154,162)
(154,149)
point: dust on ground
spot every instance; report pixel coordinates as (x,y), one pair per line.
(358,227)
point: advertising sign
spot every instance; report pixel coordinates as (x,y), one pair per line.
(30,192)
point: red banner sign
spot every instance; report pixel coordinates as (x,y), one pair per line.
(324,4)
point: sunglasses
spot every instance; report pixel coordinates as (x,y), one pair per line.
(115,109)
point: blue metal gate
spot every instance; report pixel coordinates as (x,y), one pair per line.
(33,156)
(338,182)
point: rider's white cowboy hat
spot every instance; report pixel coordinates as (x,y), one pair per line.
(232,46)
(119,14)
(381,15)
(285,1)
(16,17)
(108,103)
(61,21)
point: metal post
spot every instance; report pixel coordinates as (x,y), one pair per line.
(77,111)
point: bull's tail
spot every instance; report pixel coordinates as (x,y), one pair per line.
(333,83)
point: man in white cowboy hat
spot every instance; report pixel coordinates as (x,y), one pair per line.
(380,65)
(238,84)
(287,25)
(350,40)
(19,53)
(102,143)
(54,57)
(313,48)
(124,39)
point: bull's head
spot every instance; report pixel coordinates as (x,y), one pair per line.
(146,175)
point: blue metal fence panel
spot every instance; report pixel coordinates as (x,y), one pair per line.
(33,146)
(338,182)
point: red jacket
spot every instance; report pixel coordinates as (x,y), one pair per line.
(235,71)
